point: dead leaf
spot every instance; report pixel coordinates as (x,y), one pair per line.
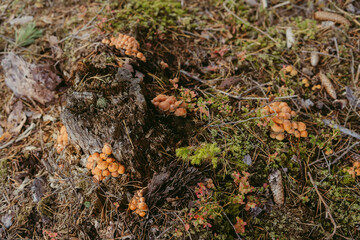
(16,119)
(28,80)
(38,189)
(329,87)
(227,83)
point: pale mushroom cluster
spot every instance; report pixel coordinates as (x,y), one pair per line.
(170,104)
(103,165)
(281,121)
(129,44)
(62,140)
(138,204)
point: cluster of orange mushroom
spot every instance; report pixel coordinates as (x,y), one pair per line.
(290,70)
(129,44)
(103,165)
(62,140)
(281,121)
(138,204)
(170,104)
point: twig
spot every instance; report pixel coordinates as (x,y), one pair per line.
(231,95)
(326,207)
(232,226)
(344,153)
(280,5)
(342,129)
(25,134)
(247,23)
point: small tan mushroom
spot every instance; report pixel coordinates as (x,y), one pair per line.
(277,128)
(113,167)
(107,149)
(164,106)
(110,160)
(180,112)
(277,120)
(304,134)
(97,171)
(297,134)
(121,169)
(106,173)
(102,165)
(287,125)
(280,137)
(301,126)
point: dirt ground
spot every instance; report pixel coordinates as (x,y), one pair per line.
(168,119)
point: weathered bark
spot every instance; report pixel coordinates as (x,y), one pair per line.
(114,113)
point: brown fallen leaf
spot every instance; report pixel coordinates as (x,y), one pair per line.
(329,87)
(29,81)
(227,83)
(16,118)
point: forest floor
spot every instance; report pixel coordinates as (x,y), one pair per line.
(270,138)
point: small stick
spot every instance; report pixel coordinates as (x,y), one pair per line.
(342,129)
(239,238)
(326,207)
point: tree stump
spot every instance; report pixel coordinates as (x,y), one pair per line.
(114,112)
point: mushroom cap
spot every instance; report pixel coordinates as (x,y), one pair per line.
(160,98)
(297,134)
(293,113)
(107,149)
(303,134)
(132,207)
(273,135)
(283,104)
(121,169)
(102,165)
(172,108)
(277,120)
(287,125)
(171,100)
(142,214)
(164,106)
(96,156)
(106,173)
(90,159)
(289,68)
(115,174)
(142,199)
(97,171)
(291,130)
(142,206)
(280,137)
(103,156)
(277,128)
(294,125)
(284,115)
(293,72)
(286,110)
(110,160)
(113,167)
(89,165)
(301,126)
(180,112)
